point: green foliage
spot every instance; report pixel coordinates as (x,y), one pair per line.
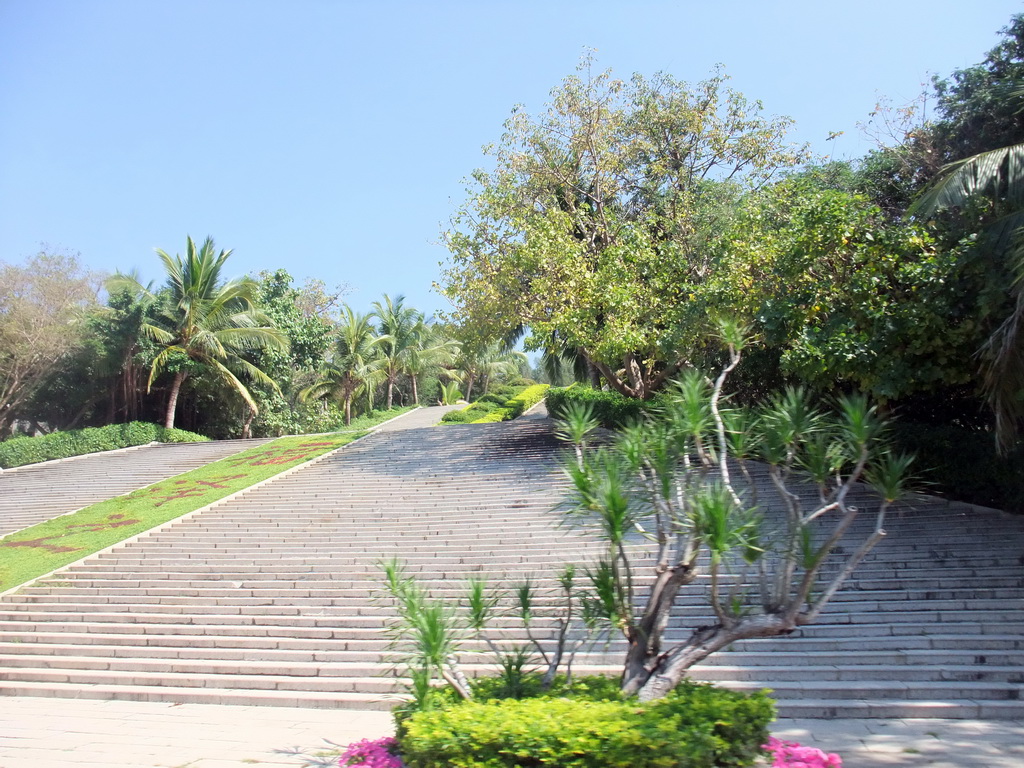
(977,114)
(61,445)
(512,407)
(450,393)
(962,463)
(610,409)
(502,405)
(849,298)
(456,417)
(598,214)
(205,323)
(590,725)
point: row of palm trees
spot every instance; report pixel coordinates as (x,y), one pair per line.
(377,348)
(203,322)
(369,354)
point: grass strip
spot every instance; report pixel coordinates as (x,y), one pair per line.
(33,551)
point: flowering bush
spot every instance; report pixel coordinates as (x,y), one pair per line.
(789,754)
(379,753)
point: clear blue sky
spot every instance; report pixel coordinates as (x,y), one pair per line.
(331,138)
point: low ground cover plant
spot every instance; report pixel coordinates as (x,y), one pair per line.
(42,548)
(20,451)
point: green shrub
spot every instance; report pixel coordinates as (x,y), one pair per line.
(695,726)
(495,398)
(502,414)
(611,409)
(20,451)
(514,407)
(962,464)
(455,417)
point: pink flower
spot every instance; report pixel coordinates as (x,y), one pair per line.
(790,754)
(379,753)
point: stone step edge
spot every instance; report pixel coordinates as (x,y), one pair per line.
(103,691)
(806,708)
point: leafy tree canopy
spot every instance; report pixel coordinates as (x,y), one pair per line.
(599,213)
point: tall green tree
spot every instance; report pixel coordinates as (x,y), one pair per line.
(205,322)
(999,175)
(481,364)
(597,218)
(844,296)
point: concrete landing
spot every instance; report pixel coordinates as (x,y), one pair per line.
(56,733)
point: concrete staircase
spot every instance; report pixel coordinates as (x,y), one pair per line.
(266,599)
(38,492)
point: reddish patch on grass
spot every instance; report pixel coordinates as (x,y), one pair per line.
(275,456)
(110,523)
(184,489)
(40,544)
(113,522)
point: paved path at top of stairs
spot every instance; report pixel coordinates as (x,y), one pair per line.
(38,492)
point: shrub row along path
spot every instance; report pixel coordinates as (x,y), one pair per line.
(266,599)
(38,492)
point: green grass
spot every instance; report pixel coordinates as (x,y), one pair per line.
(42,548)
(373,418)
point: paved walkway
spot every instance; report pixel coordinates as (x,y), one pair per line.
(57,733)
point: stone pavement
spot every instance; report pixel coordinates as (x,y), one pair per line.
(58,733)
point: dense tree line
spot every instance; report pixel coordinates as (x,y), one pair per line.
(221,356)
(620,222)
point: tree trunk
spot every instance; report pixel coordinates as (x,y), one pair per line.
(469,386)
(172,399)
(348,409)
(391,391)
(250,414)
(643,654)
(415,391)
(671,667)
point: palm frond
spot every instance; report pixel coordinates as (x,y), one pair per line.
(999,172)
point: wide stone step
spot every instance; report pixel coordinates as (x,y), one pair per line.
(186,695)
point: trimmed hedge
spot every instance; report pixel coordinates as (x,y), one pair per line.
(516,406)
(20,451)
(611,409)
(498,405)
(695,726)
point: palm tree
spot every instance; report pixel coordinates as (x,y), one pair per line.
(430,348)
(356,365)
(998,173)
(398,325)
(205,320)
(483,363)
